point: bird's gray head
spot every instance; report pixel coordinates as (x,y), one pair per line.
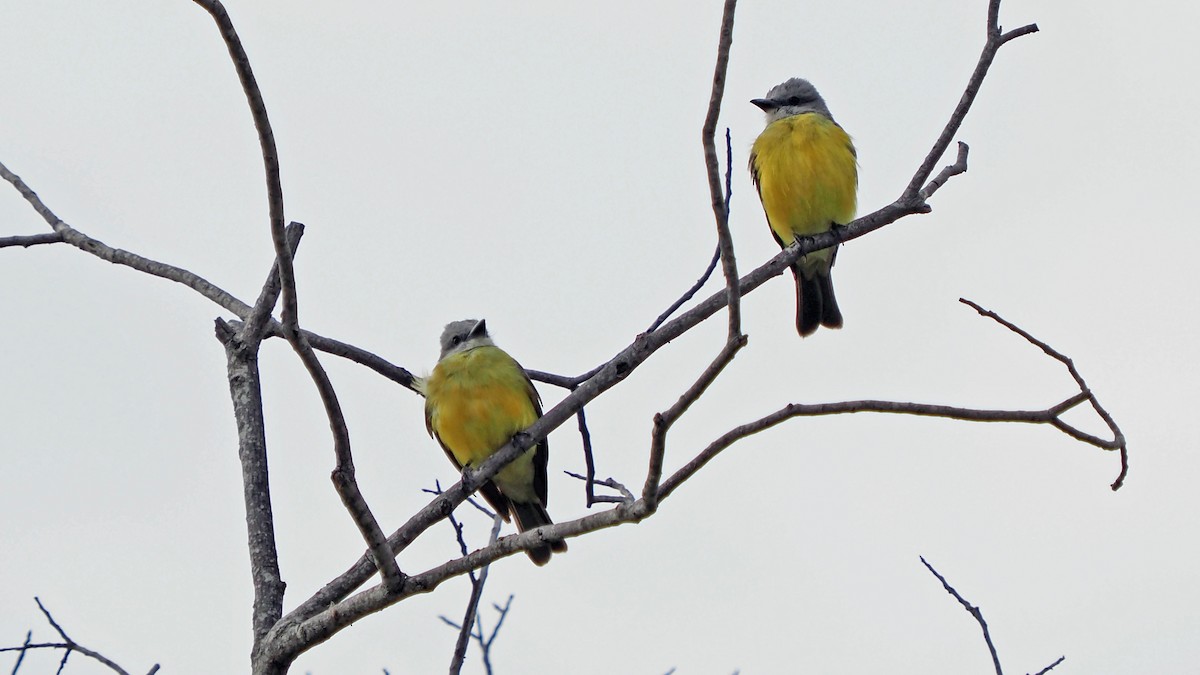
(792,97)
(460,336)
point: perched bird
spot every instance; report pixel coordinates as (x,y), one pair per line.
(806,171)
(476,399)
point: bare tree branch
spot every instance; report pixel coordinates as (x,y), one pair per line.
(293,635)
(121,257)
(485,643)
(65,233)
(67,645)
(689,293)
(720,198)
(245,390)
(991,47)
(470,615)
(1118,439)
(588,459)
(978,614)
(664,420)
(23,649)
(947,172)
(26,241)
(255,326)
(266,140)
(343,475)
(973,610)
(626,497)
(1051,416)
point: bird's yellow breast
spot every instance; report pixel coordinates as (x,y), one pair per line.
(475,401)
(807,175)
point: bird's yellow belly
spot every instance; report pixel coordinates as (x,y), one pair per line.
(807,177)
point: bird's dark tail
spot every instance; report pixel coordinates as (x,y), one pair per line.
(532,515)
(815,304)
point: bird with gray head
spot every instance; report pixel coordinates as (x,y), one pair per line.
(476,399)
(793,97)
(806,171)
(459,336)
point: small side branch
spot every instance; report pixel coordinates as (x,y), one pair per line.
(588,458)
(485,643)
(689,293)
(256,323)
(266,141)
(67,645)
(343,475)
(664,420)
(947,172)
(978,615)
(995,40)
(1051,416)
(720,197)
(471,615)
(972,610)
(28,240)
(626,497)
(1118,437)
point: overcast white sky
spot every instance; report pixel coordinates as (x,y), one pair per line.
(539,165)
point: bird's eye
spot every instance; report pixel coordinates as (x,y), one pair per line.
(795,100)
(454,341)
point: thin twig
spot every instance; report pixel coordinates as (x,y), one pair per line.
(472,611)
(1118,440)
(120,257)
(1051,416)
(31,240)
(24,648)
(626,497)
(664,420)
(973,610)
(947,172)
(67,645)
(720,199)
(588,459)
(487,644)
(266,141)
(991,46)
(204,287)
(793,410)
(343,475)
(585,435)
(255,326)
(460,648)
(689,293)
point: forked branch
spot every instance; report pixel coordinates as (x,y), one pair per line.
(977,614)
(68,646)
(1051,416)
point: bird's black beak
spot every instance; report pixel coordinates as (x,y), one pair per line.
(479,331)
(765,104)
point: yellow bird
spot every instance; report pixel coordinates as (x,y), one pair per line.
(476,399)
(806,171)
